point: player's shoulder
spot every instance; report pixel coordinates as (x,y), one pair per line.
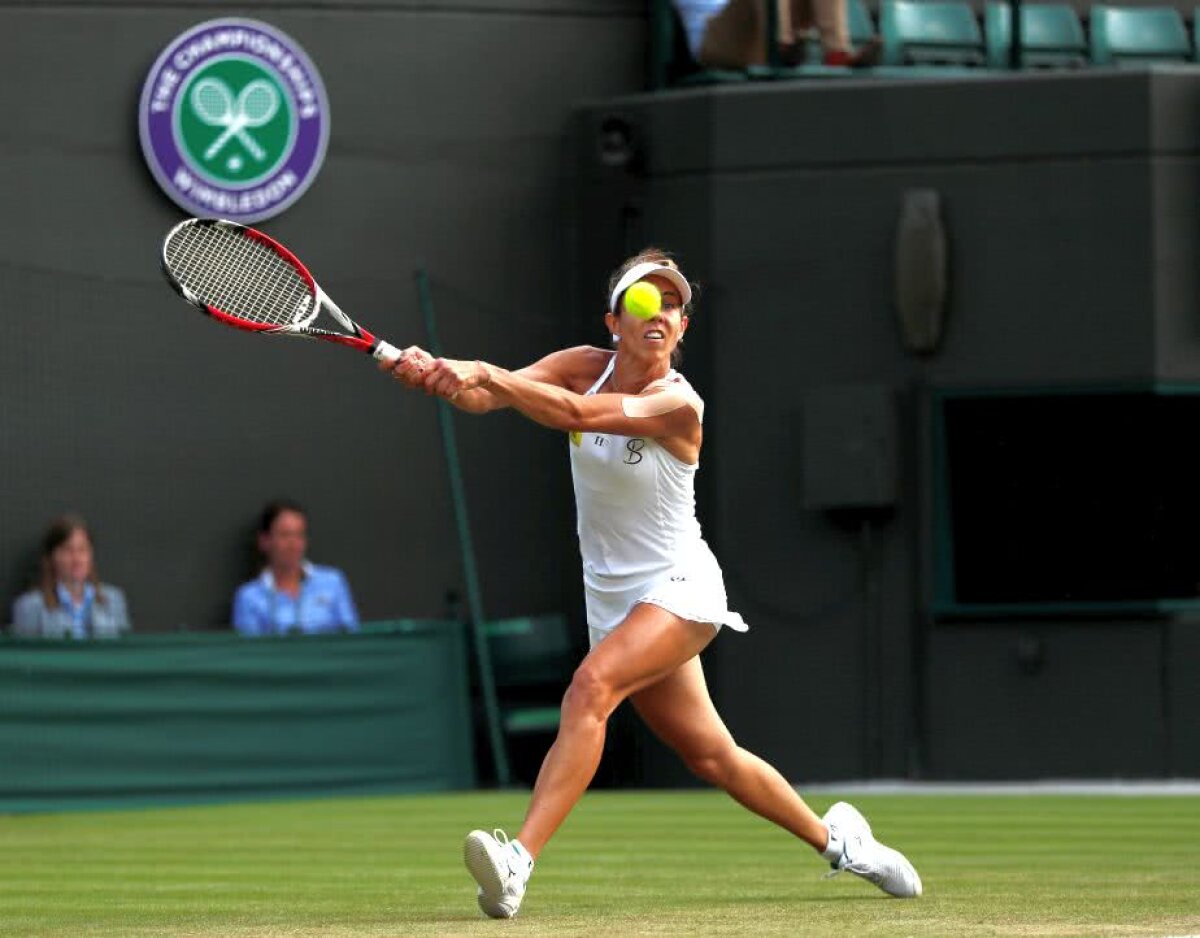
(676,387)
(674,383)
(575,368)
(587,358)
(672,380)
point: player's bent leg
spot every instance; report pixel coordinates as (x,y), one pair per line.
(650,642)
(679,710)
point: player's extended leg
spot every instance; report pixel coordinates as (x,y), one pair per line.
(680,712)
(649,644)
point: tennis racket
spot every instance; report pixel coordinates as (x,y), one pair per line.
(248,280)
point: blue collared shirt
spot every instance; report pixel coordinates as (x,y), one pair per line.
(98,615)
(324,604)
(81,612)
(695,15)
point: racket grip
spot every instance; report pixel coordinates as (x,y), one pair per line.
(386,351)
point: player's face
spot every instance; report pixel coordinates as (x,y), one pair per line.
(72,559)
(285,545)
(659,334)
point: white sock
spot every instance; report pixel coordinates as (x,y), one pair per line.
(833,850)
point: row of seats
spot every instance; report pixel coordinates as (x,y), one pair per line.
(947,33)
(916,32)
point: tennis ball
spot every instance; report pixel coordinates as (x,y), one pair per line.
(643,300)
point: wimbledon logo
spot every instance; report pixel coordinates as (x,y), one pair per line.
(234,120)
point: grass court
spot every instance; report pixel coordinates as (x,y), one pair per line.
(626,863)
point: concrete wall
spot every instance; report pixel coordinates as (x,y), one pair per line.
(169,432)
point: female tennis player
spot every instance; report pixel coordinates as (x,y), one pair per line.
(654,592)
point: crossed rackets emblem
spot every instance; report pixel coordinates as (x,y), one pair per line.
(255,105)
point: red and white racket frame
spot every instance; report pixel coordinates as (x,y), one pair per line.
(358,338)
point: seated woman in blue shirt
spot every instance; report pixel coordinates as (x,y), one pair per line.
(69,601)
(291,595)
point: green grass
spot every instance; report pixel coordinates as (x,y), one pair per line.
(625,864)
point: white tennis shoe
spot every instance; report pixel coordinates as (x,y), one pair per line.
(858,852)
(501,867)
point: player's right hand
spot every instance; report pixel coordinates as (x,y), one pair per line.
(411,368)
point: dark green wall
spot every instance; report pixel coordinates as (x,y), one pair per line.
(168,432)
(1068,202)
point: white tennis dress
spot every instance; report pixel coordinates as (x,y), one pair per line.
(638,532)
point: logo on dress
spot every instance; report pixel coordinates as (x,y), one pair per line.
(633,451)
(234,120)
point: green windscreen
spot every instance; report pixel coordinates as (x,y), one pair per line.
(218,717)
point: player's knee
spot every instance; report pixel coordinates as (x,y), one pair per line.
(713,766)
(589,695)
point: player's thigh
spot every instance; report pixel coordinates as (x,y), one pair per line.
(680,712)
(648,645)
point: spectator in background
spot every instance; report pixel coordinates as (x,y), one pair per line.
(291,595)
(732,33)
(69,601)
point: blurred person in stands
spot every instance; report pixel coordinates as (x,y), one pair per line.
(732,33)
(68,600)
(291,595)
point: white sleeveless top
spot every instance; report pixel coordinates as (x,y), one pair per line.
(638,534)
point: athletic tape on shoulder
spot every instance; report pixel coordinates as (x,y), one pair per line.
(662,402)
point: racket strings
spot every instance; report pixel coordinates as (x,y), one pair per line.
(224,277)
(238,275)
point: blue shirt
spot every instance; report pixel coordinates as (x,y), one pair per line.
(81,612)
(103,616)
(695,15)
(323,604)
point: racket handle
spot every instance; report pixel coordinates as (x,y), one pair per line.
(386,351)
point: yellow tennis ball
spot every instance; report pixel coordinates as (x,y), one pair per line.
(643,300)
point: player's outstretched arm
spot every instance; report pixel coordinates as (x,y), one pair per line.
(662,411)
(415,367)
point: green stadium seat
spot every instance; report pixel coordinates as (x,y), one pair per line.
(533,658)
(930,32)
(862,27)
(1136,35)
(1051,35)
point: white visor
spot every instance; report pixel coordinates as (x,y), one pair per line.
(640,272)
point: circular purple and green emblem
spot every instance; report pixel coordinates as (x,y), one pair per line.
(234,120)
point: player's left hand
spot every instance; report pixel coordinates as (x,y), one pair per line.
(448,377)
